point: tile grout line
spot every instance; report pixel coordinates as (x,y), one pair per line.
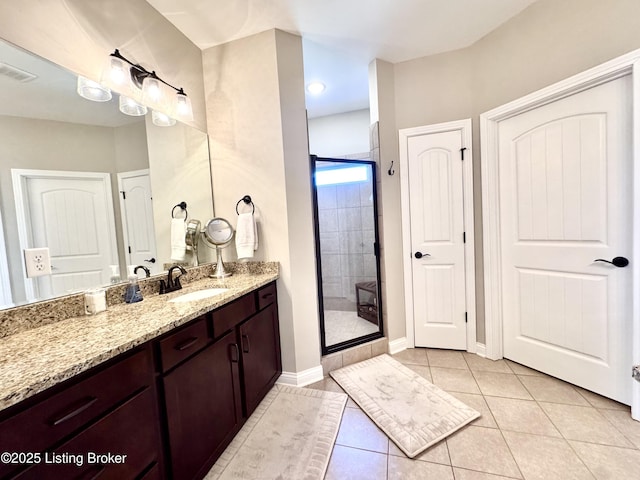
(566,440)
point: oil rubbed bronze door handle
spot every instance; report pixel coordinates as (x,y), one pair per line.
(420,255)
(619,262)
(246,345)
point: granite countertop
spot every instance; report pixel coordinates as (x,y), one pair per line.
(33,360)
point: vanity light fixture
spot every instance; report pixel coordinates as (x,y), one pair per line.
(121,72)
(92,90)
(160,119)
(129,106)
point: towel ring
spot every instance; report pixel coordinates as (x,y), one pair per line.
(183,206)
(247,200)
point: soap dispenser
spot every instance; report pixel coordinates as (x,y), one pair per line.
(132,293)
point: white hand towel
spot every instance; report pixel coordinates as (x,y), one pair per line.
(178,242)
(246,236)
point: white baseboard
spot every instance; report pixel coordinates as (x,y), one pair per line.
(301,379)
(481,349)
(398,345)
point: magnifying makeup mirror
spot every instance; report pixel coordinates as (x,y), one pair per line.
(219,233)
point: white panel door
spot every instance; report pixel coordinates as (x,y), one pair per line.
(137,219)
(73,217)
(565,201)
(437,229)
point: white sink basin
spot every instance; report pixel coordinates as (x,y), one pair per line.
(199,295)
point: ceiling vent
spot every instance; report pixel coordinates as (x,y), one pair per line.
(15,73)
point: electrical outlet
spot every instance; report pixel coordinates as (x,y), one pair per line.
(38,262)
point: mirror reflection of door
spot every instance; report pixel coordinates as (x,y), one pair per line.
(71,213)
(136,210)
(347,252)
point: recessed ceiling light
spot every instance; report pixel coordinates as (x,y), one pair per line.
(316,88)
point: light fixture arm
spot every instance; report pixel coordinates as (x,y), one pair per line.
(139,73)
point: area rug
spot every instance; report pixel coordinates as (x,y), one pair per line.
(413,412)
(289,436)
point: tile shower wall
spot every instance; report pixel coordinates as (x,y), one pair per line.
(346,223)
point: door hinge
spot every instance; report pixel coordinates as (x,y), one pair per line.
(129,249)
(462,152)
(464,237)
(635,373)
(466,319)
(124,195)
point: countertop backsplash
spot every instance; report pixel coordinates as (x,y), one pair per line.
(33,315)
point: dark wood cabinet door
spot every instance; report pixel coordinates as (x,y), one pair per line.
(203,407)
(261,364)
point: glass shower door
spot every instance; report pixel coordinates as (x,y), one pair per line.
(347,252)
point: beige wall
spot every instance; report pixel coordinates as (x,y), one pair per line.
(339,135)
(257,128)
(80,34)
(547,42)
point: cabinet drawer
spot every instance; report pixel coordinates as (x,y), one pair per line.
(227,317)
(266,295)
(47,422)
(184,343)
(129,434)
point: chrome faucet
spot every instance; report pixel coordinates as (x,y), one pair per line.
(147,273)
(172,284)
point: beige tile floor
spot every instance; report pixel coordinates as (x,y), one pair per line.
(532,427)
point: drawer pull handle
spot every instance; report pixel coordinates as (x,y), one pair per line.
(245,341)
(236,357)
(188,343)
(267,295)
(76,411)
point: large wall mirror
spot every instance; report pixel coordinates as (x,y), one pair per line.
(94,186)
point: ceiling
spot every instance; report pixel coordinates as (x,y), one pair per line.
(341,37)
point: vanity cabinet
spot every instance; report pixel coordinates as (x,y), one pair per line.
(111,408)
(123,444)
(210,395)
(259,339)
(203,410)
(168,408)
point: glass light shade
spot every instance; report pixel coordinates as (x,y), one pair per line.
(151,91)
(162,120)
(129,106)
(92,90)
(182,106)
(116,72)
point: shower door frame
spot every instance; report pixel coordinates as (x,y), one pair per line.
(327,349)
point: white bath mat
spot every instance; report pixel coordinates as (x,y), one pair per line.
(413,412)
(290,435)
